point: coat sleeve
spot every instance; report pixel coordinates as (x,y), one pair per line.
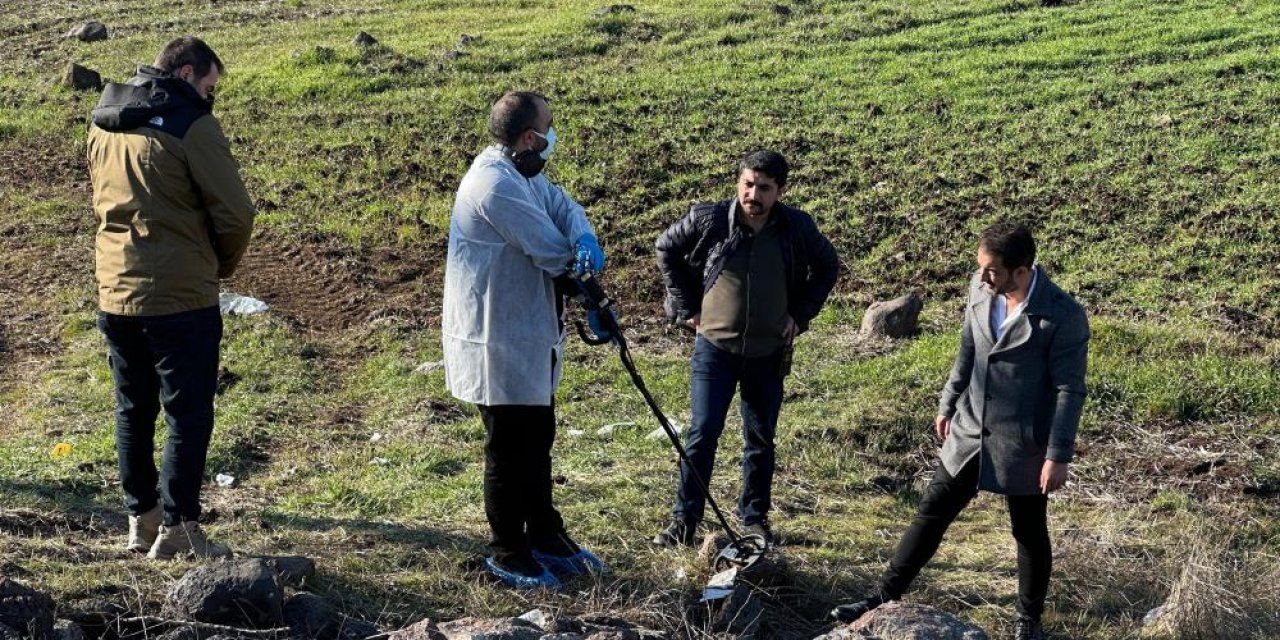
(527,226)
(217,174)
(569,216)
(1068,361)
(824,268)
(684,287)
(961,371)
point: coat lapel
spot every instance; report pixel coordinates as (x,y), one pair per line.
(982,318)
(1020,330)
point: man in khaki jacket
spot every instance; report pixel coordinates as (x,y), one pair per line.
(173,217)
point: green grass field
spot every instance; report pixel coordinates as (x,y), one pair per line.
(1138,138)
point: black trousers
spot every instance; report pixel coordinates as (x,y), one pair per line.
(943,501)
(517,484)
(169,361)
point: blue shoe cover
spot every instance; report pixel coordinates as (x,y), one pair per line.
(513,579)
(581,562)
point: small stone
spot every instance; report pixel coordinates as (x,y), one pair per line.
(490,629)
(614,9)
(91,31)
(902,621)
(310,616)
(420,630)
(81,78)
(897,318)
(363,39)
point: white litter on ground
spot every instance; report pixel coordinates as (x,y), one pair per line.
(225,480)
(608,429)
(428,367)
(233,304)
(659,433)
(720,585)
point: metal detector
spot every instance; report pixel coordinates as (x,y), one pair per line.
(743,550)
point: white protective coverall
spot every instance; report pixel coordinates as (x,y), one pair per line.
(508,237)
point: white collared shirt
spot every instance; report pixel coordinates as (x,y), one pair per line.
(999,320)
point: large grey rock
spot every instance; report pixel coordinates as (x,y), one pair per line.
(490,629)
(421,630)
(294,571)
(81,78)
(25,610)
(93,616)
(239,593)
(91,31)
(897,318)
(900,621)
(310,616)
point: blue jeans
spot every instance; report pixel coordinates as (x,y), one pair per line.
(716,375)
(169,361)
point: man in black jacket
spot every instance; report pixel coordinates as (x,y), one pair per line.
(746,274)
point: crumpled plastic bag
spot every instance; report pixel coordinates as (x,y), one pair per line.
(234,304)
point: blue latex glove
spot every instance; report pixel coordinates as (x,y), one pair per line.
(588,257)
(599,326)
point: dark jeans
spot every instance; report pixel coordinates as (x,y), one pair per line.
(716,375)
(169,361)
(943,500)
(517,484)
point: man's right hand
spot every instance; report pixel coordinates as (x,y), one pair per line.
(693,322)
(942,426)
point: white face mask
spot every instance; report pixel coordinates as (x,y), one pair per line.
(545,154)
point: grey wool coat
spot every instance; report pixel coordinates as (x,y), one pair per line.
(1017,401)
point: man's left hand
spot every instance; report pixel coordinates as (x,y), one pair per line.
(790,329)
(588,257)
(1053,476)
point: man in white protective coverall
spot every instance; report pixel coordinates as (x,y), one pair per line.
(511,235)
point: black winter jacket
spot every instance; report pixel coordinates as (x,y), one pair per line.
(692,252)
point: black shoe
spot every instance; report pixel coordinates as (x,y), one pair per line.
(847,613)
(761,529)
(1028,629)
(677,533)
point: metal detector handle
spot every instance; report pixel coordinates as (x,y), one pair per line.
(588,338)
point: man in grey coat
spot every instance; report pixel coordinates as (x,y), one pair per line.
(1007,417)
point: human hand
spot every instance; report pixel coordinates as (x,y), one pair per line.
(694,322)
(942,426)
(1053,476)
(588,257)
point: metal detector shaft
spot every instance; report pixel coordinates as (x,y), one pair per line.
(596,298)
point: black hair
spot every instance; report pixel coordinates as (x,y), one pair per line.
(189,50)
(1011,241)
(513,114)
(770,163)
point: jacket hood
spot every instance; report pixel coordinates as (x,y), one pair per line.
(149,93)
